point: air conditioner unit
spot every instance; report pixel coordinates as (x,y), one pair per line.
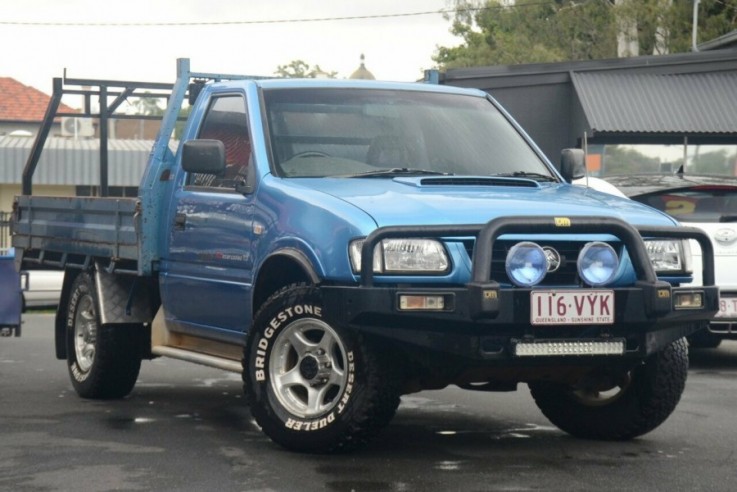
(77,127)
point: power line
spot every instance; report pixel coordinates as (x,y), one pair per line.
(284,21)
(269,21)
(215,23)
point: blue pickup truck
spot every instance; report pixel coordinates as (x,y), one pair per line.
(341,243)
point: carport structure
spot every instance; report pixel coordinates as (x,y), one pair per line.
(683,99)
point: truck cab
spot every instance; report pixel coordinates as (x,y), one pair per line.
(342,243)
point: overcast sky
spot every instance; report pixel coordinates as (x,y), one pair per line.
(396,48)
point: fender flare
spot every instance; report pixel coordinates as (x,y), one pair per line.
(297,256)
(265,283)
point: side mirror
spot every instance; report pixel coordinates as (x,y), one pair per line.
(203,156)
(572,165)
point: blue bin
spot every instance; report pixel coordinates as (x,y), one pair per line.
(11,297)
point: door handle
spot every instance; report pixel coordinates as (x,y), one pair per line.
(180,221)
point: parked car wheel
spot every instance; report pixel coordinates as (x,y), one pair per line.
(641,401)
(313,386)
(103,360)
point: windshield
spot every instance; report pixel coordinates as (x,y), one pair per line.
(357,133)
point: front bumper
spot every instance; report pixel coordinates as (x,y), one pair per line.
(458,329)
(486,321)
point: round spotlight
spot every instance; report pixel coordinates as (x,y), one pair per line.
(597,263)
(526,264)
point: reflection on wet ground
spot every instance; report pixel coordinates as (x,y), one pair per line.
(185,427)
(428,447)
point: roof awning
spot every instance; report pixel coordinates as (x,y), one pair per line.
(687,104)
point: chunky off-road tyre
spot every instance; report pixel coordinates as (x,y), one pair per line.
(645,397)
(312,386)
(103,360)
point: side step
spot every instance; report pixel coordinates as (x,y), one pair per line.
(197,358)
(188,348)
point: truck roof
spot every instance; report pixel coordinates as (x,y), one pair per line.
(351,83)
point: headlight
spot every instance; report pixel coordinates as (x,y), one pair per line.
(669,255)
(403,256)
(526,264)
(597,263)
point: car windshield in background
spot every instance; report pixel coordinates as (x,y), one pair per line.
(386,133)
(698,204)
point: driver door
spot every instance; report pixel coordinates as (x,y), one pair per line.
(207,275)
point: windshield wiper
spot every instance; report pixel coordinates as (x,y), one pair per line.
(397,171)
(728,218)
(525,174)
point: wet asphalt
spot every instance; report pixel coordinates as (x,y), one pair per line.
(186,428)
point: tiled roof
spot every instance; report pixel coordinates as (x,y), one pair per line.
(20,102)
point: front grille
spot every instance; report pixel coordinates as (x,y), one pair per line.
(566,275)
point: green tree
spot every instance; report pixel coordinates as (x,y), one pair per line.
(529,31)
(148,106)
(495,32)
(717,162)
(666,26)
(302,70)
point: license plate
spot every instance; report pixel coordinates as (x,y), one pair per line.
(585,307)
(727,307)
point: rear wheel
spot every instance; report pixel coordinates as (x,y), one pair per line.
(313,386)
(638,402)
(103,360)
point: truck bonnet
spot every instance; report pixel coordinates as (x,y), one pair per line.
(417,201)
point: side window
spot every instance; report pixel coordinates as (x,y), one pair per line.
(226,121)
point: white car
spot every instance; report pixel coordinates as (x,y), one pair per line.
(709,203)
(41,288)
(598,184)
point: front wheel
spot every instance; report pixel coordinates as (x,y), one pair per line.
(103,360)
(313,386)
(639,402)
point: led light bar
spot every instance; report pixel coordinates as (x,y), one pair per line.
(549,348)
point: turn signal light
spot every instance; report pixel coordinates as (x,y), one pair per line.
(688,300)
(421,302)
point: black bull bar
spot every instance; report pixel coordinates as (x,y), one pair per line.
(483,291)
